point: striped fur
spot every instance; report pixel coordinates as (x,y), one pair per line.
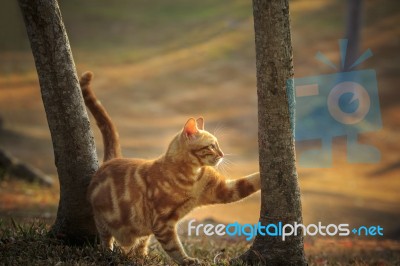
(111,144)
(133,199)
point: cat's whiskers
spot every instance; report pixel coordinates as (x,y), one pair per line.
(224,169)
(228,161)
(224,166)
(228,164)
(230,154)
(218,129)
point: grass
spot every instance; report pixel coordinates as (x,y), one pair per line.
(30,244)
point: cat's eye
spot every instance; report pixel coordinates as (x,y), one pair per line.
(212,147)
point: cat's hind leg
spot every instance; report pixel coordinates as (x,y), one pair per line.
(106,239)
(141,246)
(136,246)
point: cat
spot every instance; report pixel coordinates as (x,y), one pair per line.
(133,199)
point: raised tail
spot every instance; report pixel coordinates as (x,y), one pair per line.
(112,148)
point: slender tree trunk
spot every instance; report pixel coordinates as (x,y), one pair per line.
(353,26)
(280,195)
(73,143)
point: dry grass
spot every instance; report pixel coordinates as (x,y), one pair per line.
(30,244)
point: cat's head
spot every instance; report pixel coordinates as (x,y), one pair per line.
(200,145)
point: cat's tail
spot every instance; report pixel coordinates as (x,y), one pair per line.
(112,148)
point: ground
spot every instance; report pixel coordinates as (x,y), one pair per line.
(157,64)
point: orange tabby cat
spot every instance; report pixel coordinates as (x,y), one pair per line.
(135,198)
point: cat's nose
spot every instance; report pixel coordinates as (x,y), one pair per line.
(221,154)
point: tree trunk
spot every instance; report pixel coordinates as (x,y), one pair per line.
(280,194)
(353,26)
(73,143)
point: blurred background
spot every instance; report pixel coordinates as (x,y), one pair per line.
(157,63)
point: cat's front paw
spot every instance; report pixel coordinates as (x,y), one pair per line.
(190,261)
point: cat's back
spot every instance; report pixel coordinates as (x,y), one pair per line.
(116,172)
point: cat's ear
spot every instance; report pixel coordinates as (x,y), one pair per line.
(200,123)
(190,129)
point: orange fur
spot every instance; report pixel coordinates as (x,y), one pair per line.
(133,199)
(111,144)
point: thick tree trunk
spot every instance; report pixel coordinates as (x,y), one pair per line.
(73,143)
(280,195)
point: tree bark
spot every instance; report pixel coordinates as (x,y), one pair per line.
(73,143)
(353,28)
(280,194)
